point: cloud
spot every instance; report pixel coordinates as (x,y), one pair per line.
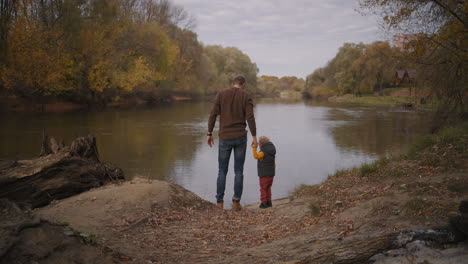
(283,37)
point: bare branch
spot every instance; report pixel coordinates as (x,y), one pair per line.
(446,8)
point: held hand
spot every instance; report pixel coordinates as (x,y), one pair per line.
(210,141)
(254,145)
(254,141)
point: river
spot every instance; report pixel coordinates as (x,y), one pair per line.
(167,142)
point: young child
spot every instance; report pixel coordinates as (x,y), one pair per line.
(266,169)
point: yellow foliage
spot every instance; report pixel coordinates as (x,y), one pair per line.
(98,77)
(322,90)
(168,53)
(138,74)
(269,78)
(36,62)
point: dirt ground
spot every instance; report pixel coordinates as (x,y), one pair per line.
(149,221)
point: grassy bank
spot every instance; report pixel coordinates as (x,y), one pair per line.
(388,97)
(374,100)
(383,100)
(423,186)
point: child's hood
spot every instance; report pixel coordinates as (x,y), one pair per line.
(268,148)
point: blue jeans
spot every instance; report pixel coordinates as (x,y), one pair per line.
(225,148)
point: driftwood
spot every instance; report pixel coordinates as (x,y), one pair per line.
(63,172)
(51,146)
(354,251)
(361,250)
(45,147)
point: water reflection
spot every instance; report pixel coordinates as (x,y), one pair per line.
(376,131)
(168,142)
(143,142)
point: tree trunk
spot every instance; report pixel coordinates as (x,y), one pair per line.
(355,251)
(53,176)
(45,147)
(361,250)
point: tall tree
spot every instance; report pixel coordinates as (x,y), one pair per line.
(36,63)
(375,67)
(345,76)
(230,62)
(7,10)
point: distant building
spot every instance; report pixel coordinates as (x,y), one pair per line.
(404,77)
(401,40)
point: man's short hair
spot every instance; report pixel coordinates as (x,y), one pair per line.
(239,80)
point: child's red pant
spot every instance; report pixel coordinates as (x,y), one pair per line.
(265,188)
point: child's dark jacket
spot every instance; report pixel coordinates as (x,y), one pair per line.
(266,166)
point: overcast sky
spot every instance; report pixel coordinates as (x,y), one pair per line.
(284,37)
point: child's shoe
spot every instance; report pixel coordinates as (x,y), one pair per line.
(269,204)
(263,205)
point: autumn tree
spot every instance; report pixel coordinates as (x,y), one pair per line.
(35,62)
(357,69)
(440,51)
(230,62)
(345,76)
(7,10)
(149,59)
(272,86)
(374,67)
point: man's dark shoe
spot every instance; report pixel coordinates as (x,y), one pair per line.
(263,205)
(269,204)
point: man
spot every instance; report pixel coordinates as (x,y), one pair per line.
(234,106)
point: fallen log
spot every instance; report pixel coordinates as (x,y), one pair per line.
(362,249)
(67,172)
(353,251)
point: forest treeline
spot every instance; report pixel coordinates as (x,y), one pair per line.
(100,51)
(357,69)
(272,86)
(435,51)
